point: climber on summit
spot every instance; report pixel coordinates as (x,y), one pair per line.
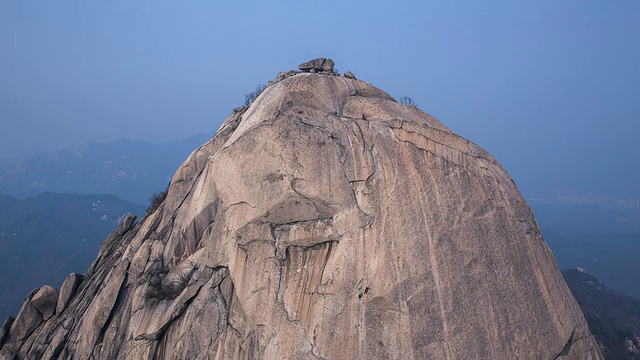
(364,117)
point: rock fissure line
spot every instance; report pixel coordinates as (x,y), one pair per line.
(569,344)
(122,293)
(301,119)
(239,203)
(159,336)
(433,153)
(277,226)
(194,180)
(467,153)
(403,124)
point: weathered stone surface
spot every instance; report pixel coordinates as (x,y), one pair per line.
(631,347)
(328,65)
(45,301)
(349,75)
(67,290)
(320,65)
(27,320)
(285,74)
(4,329)
(126,224)
(312,64)
(303,231)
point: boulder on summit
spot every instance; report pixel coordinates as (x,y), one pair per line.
(320,65)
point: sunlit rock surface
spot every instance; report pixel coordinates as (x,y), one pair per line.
(324,221)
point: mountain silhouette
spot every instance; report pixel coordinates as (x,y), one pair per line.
(323,221)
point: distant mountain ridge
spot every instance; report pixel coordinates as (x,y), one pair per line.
(613,317)
(587,212)
(44,238)
(133,170)
(602,238)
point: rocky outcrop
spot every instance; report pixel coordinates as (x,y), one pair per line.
(286,74)
(349,74)
(67,291)
(44,300)
(631,348)
(320,65)
(27,320)
(303,231)
(4,329)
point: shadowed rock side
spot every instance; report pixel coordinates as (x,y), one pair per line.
(325,221)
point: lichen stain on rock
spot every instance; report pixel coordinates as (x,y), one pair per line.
(302,276)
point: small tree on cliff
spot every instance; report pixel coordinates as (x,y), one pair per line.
(156,199)
(405,100)
(250,97)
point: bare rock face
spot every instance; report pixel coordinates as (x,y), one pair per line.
(4,329)
(285,74)
(305,230)
(27,320)
(320,65)
(67,291)
(45,301)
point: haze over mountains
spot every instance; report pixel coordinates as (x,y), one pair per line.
(614,317)
(48,236)
(74,199)
(601,237)
(549,88)
(131,169)
(599,232)
(574,224)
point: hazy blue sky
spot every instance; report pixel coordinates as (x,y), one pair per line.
(551,88)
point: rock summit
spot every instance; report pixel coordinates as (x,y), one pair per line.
(323,221)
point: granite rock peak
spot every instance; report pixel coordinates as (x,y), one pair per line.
(323,221)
